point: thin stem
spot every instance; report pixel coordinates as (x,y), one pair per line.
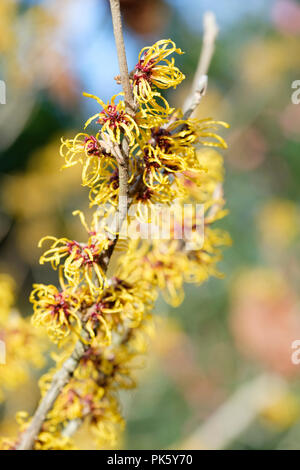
(122,155)
(195,97)
(210,33)
(124,74)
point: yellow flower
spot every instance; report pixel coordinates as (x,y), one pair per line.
(203,132)
(50,436)
(90,394)
(147,200)
(188,255)
(88,398)
(202,262)
(106,189)
(106,299)
(82,261)
(114,120)
(55,310)
(106,423)
(203,185)
(163,267)
(122,305)
(154,113)
(52,440)
(72,402)
(165,152)
(86,149)
(153,69)
(169,150)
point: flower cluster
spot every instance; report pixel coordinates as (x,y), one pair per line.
(91,394)
(163,144)
(55,310)
(107,303)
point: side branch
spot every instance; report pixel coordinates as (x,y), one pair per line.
(210,34)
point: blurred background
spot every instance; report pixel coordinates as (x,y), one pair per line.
(220,373)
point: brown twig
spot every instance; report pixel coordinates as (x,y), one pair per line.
(62,377)
(124,74)
(210,34)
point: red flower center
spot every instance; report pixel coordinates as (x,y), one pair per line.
(92,146)
(82,253)
(143,72)
(161,138)
(60,304)
(113,115)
